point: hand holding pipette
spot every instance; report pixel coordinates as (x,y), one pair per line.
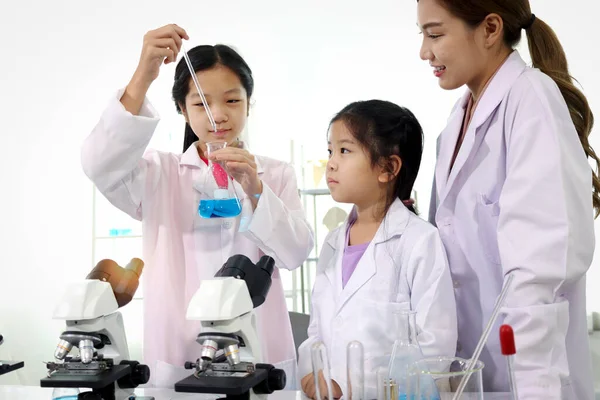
(161,46)
(507,344)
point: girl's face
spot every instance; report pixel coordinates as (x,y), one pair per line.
(227,100)
(350,176)
(456,52)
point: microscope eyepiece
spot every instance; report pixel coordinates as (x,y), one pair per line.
(257,276)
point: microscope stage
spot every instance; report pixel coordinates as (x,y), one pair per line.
(230,385)
(76,380)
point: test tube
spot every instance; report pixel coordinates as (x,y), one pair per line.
(320,364)
(355,364)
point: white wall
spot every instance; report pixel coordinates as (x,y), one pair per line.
(61,60)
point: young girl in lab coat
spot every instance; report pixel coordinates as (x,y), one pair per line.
(384,258)
(514,192)
(163,191)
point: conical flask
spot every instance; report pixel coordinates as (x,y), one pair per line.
(405,353)
(221,199)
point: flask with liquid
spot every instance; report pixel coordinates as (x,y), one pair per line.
(222,200)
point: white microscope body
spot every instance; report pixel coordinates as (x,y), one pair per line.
(90,311)
(231,359)
(94,325)
(230,311)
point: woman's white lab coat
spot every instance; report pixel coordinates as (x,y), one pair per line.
(519,200)
(404,267)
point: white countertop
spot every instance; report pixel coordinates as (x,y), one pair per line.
(9,392)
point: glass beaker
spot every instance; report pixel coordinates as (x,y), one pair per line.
(405,352)
(65,394)
(439,377)
(224,202)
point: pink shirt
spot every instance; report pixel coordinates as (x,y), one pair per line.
(163,190)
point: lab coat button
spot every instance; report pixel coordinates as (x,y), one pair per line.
(446,221)
(456,284)
(339,320)
(227,224)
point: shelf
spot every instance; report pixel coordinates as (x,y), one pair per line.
(118,237)
(315,192)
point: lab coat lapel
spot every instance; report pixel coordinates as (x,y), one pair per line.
(448,139)
(333,269)
(393,225)
(493,95)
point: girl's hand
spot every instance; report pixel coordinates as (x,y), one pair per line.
(241,165)
(160,46)
(308,387)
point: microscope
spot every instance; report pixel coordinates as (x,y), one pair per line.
(95,327)
(9,366)
(230,353)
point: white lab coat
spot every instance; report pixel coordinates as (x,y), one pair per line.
(404,267)
(181,249)
(519,200)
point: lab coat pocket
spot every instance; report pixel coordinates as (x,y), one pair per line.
(487,227)
(379,324)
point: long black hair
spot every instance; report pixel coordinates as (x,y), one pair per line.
(202,58)
(385,129)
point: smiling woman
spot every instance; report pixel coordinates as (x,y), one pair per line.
(514,192)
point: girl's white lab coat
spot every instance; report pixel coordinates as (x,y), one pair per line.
(180,248)
(404,267)
(519,200)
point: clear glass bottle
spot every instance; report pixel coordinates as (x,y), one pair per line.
(65,394)
(405,353)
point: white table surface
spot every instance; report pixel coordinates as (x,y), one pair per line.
(13,392)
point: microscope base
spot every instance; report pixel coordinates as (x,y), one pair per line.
(9,366)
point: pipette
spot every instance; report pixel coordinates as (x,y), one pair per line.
(484,337)
(507,344)
(198,88)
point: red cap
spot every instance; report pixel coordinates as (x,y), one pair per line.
(507,340)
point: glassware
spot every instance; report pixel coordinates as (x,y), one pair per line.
(224,202)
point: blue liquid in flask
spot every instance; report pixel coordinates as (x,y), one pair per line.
(219,208)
